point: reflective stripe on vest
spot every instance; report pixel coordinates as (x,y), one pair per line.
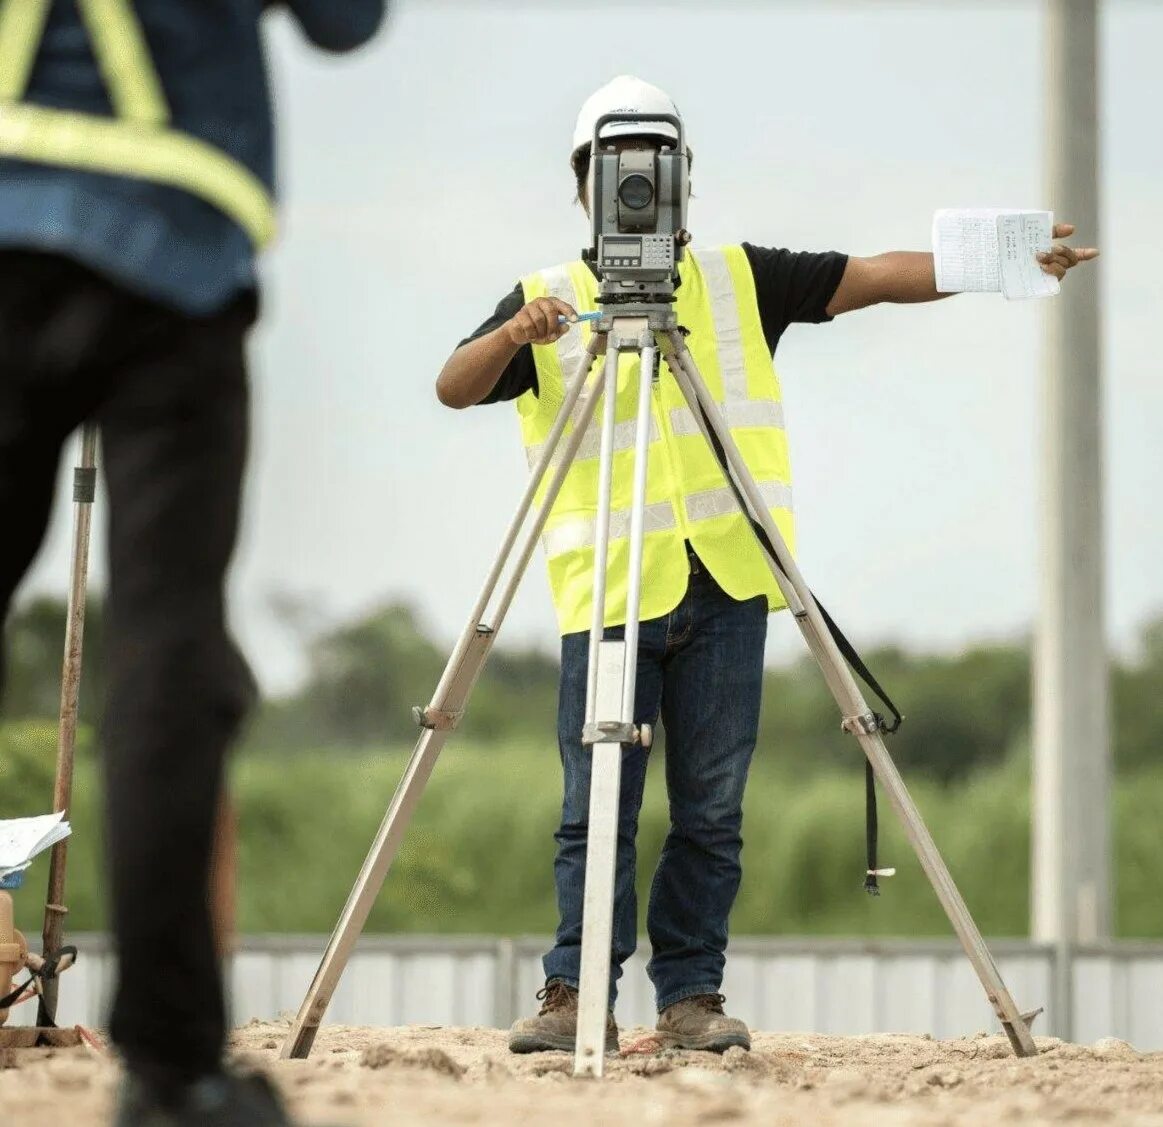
(687,495)
(749,413)
(721,502)
(138,141)
(571,535)
(624,435)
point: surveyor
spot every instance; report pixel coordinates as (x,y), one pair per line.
(707,589)
(136,173)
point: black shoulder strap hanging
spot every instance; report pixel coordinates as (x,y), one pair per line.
(871,885)
(870,829)
(859,668)
(854,660)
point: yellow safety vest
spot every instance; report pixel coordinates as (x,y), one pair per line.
(138,141)
(687,497)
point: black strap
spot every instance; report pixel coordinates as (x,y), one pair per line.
(51,967)
(870,828)
(865,674)
(48,970)
(847,650)
(860,669)
(8,999)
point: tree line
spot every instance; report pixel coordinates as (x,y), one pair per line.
(964,711)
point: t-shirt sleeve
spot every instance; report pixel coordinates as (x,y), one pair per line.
(520,375)
(793,286)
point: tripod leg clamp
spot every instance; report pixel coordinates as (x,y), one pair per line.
(435,720)
(609,732)
(867,724)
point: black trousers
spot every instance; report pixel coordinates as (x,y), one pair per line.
(170,395)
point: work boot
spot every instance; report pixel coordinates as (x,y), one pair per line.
(699,1023)
(555,1027)
(218,1100)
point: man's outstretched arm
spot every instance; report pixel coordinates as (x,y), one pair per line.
(903,276)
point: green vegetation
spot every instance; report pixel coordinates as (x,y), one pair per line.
(479,856)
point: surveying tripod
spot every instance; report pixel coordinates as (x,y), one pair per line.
(650,330)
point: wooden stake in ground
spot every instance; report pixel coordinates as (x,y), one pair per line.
(84,489)
(224,863)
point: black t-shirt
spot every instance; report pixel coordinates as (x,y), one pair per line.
(790,286)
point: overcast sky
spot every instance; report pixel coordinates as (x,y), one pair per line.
(422,177)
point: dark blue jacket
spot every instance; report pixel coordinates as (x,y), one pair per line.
(160,241)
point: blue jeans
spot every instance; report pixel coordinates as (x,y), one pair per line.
(702,667)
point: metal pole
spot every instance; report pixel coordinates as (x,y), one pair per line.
(1071,897)
(84,489)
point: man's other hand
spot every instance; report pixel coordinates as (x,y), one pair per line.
(1060,258)
(537,322)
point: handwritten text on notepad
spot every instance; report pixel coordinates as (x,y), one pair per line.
(992,250)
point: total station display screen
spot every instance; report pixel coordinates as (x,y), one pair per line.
(621,249)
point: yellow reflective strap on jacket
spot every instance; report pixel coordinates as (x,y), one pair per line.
(119,46)
(21,29)
(163,156)
(137,141)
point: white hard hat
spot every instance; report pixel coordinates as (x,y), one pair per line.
(624,94)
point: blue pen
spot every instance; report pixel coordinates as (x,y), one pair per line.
(563,319)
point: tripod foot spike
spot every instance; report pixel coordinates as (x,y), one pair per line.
(1020,1033)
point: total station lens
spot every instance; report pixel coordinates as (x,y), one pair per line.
(636,191)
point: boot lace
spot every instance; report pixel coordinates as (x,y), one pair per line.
(554,996)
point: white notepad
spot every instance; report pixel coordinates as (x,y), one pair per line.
(993,250)
(21,839)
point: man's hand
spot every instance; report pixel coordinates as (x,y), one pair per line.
(1060,258)
(537,322)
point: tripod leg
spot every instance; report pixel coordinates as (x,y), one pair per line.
(602,526)
(613,679)
(858,718)
(84,488)
(605,674)
(444,712)
(536,475)
(601,864)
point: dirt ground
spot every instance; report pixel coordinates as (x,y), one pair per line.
(426,1075)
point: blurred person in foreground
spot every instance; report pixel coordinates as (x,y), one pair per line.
(707,589)
(136,185)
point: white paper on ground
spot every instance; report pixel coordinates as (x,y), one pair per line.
(21,839)
(992,250)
